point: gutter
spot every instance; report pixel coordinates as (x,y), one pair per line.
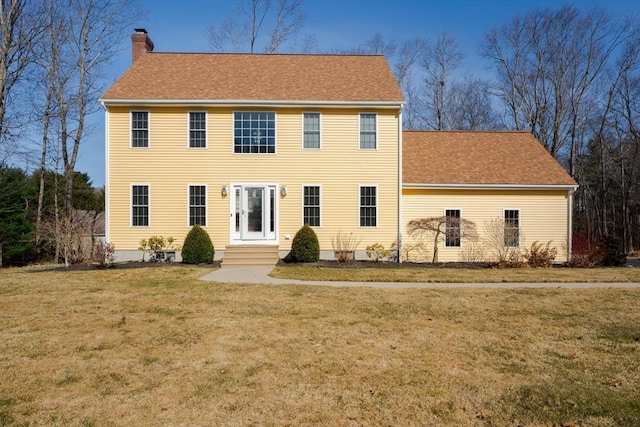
(253,103)
(489,186)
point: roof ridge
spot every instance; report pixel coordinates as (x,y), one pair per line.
(364,55)
(467,131)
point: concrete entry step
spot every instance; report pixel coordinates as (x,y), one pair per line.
(250,256)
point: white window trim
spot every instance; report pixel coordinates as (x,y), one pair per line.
(302,204)
(233,132)
(519,226)
(148,129)
(444,213)
(135,184)
(319,130)
(206,203)
(360,186)
(360,131)
(206,130)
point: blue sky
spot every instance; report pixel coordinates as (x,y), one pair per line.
(180,26)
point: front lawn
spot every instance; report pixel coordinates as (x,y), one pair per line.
(442,274)
(159,347)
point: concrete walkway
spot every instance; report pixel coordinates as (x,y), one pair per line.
(260,275)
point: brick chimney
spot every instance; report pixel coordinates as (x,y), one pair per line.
(141,43)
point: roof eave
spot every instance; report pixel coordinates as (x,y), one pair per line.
(434,186)
(251,103)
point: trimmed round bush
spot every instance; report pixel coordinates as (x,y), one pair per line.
(305,246)
(197,247)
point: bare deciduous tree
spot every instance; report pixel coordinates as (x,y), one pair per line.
(19,30)
(80,40)
(441,59)
(284,18)
(548,65)
(469,105)
(410,54)
(376,45)
(437,226)
(48,61)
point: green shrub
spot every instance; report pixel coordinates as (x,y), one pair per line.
(615,256)
(197,248)
(305,246)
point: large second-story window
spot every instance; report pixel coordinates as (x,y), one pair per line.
(368,206)
(368,130)
(197,205)
(512,228)
(254,132)
(197,129)
(311,205)
(140,205)
(452,228)
(139,129)
(311,130)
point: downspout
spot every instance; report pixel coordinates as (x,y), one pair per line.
(106,174)
(570,226)
(400,185)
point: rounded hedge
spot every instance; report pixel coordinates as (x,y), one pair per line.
(197,247)
(305,246)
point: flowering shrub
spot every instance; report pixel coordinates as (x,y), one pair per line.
(377,252)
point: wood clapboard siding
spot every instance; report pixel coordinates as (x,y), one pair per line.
(168,166)
(543,214)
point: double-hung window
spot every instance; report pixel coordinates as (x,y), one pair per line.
(197,129)
(311,130)
(368,206)
(197,205)
(140,205)
(254,132)
(311,205)
(512,228)
(368,131)
(139,129)
(452,227)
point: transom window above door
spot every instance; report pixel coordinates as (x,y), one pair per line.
(254,132)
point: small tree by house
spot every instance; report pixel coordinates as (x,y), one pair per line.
(197,248)
(434,227)
(305,246)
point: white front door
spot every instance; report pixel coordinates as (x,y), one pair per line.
(253,215)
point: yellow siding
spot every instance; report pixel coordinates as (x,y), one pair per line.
(168,166)
(543,216)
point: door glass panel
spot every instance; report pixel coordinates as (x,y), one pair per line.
(237,216)
(272,210)
(254,210)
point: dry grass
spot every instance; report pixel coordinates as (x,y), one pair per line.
(458,275)
(159,347)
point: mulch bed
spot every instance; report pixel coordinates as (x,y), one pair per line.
(128,265)
(385,264)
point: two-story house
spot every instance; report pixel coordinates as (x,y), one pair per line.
(251,147)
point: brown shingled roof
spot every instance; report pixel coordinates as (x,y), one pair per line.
(221,76)
(493,158)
